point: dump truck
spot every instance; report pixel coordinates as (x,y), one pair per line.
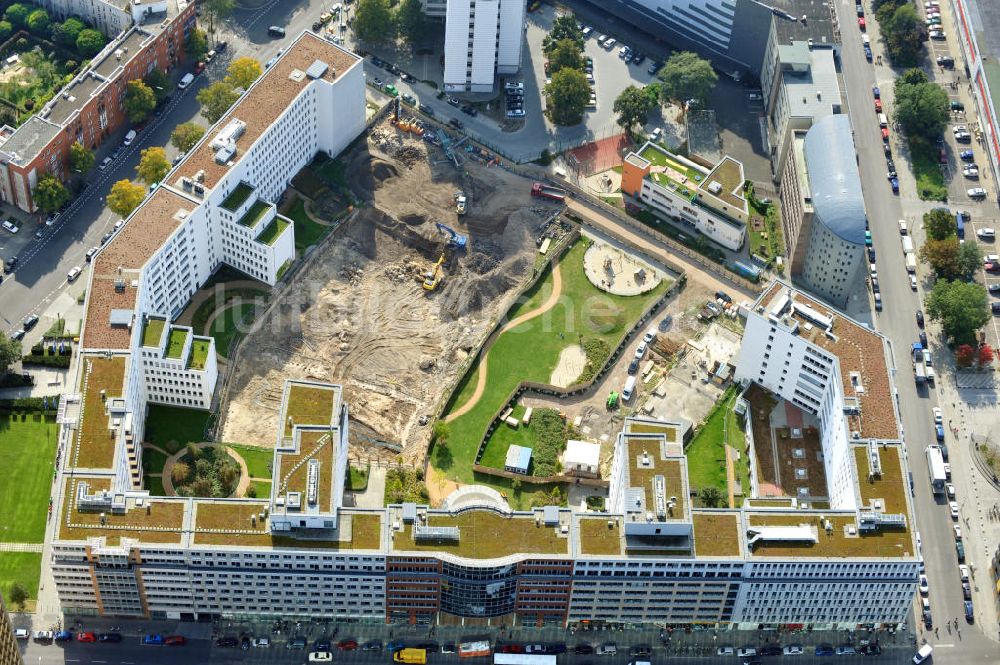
(414,656)
(544,191)
(919,371)
(460,202)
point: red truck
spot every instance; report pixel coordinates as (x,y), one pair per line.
(548,192)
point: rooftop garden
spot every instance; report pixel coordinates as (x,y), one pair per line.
(659,157)
(308,405)
(597,538)
(273,231)
(706,454)
(199,353)
(95,449)
(716,534)
(237,197)
(486,535)
(889,543)
(153,332)
(139,523)
(175,342)
(254,214)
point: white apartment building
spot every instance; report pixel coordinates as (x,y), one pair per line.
(708,200)
(107,16)
(483,40)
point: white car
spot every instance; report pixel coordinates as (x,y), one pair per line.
(640,350)
(947,471)
(954,509)
(725,651)
(951,490)
(976,193)
(986,233)
(649,336)
(913,282)
(938,415)
(610,44)
(261,642)
(43,635)
(991,258)
(902,227)
(963,571)
(746,651)
(320,657)
(927,357)
(22,633)
(793,650)
(958,532)
(971,171)
(10,226)
(937,34)
(73,273)
(925,588)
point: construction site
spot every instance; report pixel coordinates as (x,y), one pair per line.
(397,299)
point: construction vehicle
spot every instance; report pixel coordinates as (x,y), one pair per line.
(460,202)
(433,276)
(612,402)
(457,240)
(544,191)
(412,656)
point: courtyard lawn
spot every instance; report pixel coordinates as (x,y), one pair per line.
(504,437)
(530,351)
(258,460)
(27,455)
(153,461)
(226,329)
(155,485)
(262,489)
(307,232)
(23,567)
(706,456)
(927,171)
(171,427)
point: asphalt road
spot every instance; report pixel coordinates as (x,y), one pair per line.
(898,322)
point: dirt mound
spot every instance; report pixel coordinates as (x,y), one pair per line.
(382,171)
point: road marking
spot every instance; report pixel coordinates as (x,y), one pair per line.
(944,646)
(98,661)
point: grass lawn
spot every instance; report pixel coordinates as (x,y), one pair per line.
(927,171)
(205,310)
(334,171)
(307,232)
(531,350)
(153,460)
(225,329)
(706,455)
(171,423)
(27,454)
(506,436)
(262,488)
(23,567)
(357,479)
(258,460)
(155,485)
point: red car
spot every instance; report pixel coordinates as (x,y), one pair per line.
(347,645)
(175,640)
(199,68)
(86,637)
(885,133)
(878,106)
(861,23)
(511,648)
(942,155)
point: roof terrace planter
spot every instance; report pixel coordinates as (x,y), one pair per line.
(152,333)
(199,352)
(175,343)
(237,197)
(252,217)
(273,231)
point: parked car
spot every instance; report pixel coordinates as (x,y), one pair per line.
(986,233)
(227,642)
(175,640)
(976,193)
(109,637)
(43,635)
(154,639)
(63,636)
(10,226)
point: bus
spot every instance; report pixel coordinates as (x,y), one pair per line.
(523,659)
(935,468)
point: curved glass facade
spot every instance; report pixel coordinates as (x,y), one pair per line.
(484,592)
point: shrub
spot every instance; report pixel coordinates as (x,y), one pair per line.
(214,474)
(404,485)
(47,361)
(550,441)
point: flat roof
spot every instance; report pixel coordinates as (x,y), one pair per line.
(267,99)
(717,534)
(123,51)
(890,488)
(153,522)
(292,473)
(309,404)
(600,536)
(649,458)
(101,379)
(484,534)
(729,174)
(28,139)
(837,543)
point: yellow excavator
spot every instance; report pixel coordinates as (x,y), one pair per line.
(433,276)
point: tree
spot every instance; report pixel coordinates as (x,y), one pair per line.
(89,42)
(217,10)
(18,595)
(686,76)
(970,259)
(38,21)
(921,108)
(242,72)
(159,83)
(17,14)
(10,352)
(5,30)
(939,224)
(153,165)
(216,99)
(186,135)
(411,21)
(985,355)
(139,100)
(442,433)
(964,355)
(373,21)
(81,159)
(711,497)
(49,193)
(942,255)
(565,55)
(961,308)
(196,44)
(904,34)
(564,27)
(632,107)
(67,32)
(180,472)
(567,96)
(125,196)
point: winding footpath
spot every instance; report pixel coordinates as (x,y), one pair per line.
(549,303)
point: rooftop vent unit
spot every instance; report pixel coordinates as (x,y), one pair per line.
(224,154)
(297,75)
(714,187)
(199,190)
(118,54)
(119,286)
(312,483)
(200,176)
(229,134)
(317,69)
(186,184)
(446,533)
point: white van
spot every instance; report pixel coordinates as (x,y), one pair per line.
(129,137)
(883,121)
(628,389)
(185,81)
(924,653)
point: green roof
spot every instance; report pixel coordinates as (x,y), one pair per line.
(153,332)
(237,197)
(657,156)
(199,352)
(273,231)
(175,343)
(254,214)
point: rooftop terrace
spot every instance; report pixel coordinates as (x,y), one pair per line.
(292,470)
(254,214)
(94,443)
(359,531)
(668,171)
(200,348)
(175,342)
(729,174)
(890,488)
(273,231)
(486,535)
(237,197)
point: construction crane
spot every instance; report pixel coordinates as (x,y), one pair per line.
(457,240)
(433,276)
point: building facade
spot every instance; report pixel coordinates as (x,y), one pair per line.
(10,654)
(707,200)
(110,18)
(90,108)
(483,40)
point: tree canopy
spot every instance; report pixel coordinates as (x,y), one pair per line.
(10,352)
(18,595)
(159,83)
(411,21)
(939,224)
(242,72)
(564,27)
(567,96)
(904,33)
(686,76)
(217,10)
(961,307)
(81,158)
(139,100)
(374,22)
(38,21)
(49,193)
(196,44)
(921,106)
(216,99)
(67,32)
(17,14)
(89,42)
(186,135)
(632,106)
(565,55)
(125,196)
(153,165)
